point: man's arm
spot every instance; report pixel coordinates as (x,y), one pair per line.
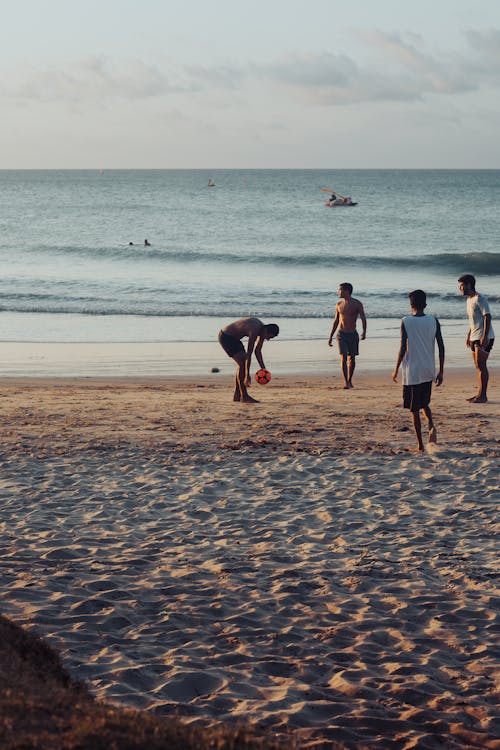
(402,351)
(363,321)
(251,343)
(334,326)
(258,352)
(440,343)
(486,329)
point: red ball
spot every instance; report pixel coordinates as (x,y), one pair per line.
(262,376)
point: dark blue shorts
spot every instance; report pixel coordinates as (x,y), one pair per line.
(487,348)
(416,397)
(348,342)
(230,344)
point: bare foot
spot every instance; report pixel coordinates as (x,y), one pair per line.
(420,449)
(477,400)
(432,435)
(346,387)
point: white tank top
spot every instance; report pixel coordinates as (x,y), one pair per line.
(418,364)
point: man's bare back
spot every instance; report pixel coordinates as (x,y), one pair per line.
(348,311)
(250,327)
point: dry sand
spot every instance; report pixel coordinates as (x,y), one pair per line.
(292,564)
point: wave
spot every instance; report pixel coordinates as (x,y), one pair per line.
(236,309)
(166,299)
(129,299)
(218,313)
(485,263)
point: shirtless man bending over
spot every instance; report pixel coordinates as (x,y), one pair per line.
(230,340)
(347,311)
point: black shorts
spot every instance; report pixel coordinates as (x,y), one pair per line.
(487,348)
(230,344)
(348,342)
(416,397)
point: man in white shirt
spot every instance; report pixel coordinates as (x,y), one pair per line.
(419,333)
(480,336)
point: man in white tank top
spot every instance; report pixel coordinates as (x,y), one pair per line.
(419,333)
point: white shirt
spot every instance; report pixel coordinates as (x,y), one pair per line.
(477,308)
(418,364)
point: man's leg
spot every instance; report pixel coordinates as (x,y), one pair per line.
(430,421)
(417,424)
(352,367)
(237,392)
(345,370)
(480,358)
(240,389)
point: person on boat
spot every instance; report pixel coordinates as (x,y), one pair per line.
(338,200)
(147,243)
(347,311)
(331,200)
(230,340)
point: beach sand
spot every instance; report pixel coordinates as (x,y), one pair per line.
(293,564)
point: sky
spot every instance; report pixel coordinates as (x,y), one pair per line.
(107,84)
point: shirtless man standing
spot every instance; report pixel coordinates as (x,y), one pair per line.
(347,311)
(230,340)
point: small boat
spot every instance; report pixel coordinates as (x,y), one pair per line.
(338,200)
(338,204)
(211,183)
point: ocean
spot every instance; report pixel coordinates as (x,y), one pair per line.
(261,242)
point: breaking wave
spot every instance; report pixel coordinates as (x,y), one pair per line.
(484,263)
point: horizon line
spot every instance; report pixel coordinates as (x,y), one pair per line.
(249,169)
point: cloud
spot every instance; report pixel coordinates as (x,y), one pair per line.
(219,77)
(396,67)
(449,74)
(402,71)
(486,48)
(334,79)
(487,42)
(317,71)
(94,79)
